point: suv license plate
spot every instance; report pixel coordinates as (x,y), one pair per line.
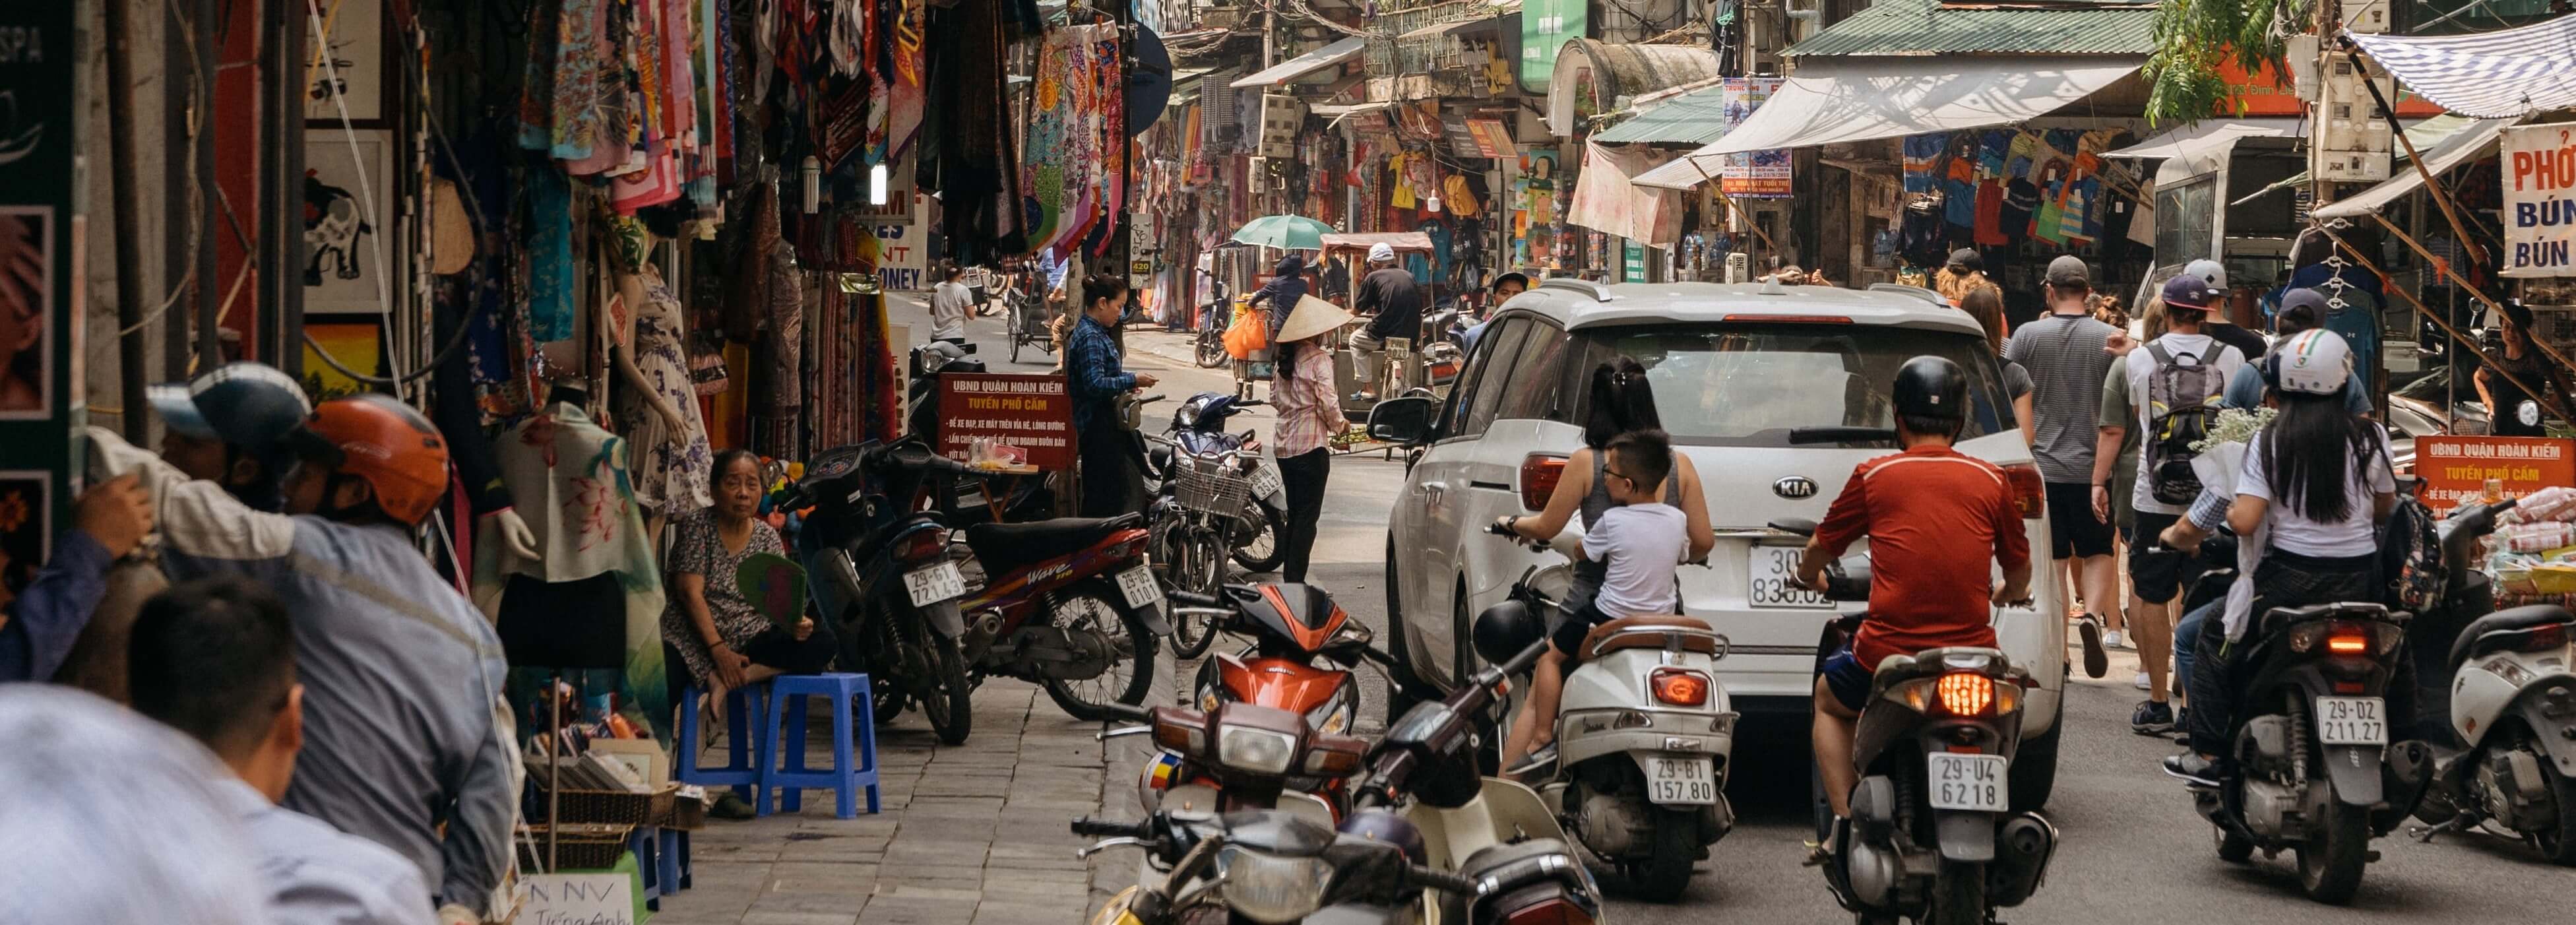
(934,584)
(2351,721)
(1685,781)
(1766,583)
(1139,587)
(1969,782)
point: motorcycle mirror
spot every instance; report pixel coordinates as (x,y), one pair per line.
(1505,629)
(2528,413)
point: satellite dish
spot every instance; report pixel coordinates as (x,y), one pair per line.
(1149,82)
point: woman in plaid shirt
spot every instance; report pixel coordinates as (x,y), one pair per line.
(1310,414)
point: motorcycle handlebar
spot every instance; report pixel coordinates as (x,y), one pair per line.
(1441,880)
(1128,712)
(1105,828)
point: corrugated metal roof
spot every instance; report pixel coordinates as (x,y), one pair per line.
(1694,118)
(1930,27)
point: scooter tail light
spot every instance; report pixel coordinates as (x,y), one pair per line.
(2553,636)
(2030,494)
(1679,687)
(1539,473)
(923,544)
(1966,693)
(1553,910)
(2348,644)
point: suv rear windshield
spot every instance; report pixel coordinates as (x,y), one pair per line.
(1751,384)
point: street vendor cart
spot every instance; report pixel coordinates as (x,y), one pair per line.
(1362,380)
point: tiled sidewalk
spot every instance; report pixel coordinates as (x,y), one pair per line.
(970,835)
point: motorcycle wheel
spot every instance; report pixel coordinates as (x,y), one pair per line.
(1095,606)
(2558,843)
(1958,895)
(2232,848)
(1665,873)
(940,685)
(1257,549)
(1198,555)
(886,700)
(1211,350)
(2331,861)
(2033,774)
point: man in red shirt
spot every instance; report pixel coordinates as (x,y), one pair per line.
(1937,521)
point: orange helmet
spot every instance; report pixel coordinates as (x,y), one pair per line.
(384,442)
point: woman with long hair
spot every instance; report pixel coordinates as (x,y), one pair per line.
(2317,481)
(1618,401)
(1986,304)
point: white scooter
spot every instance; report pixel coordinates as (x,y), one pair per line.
(1643,733)
(2512,709)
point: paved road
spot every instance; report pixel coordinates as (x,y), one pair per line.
(2132,850)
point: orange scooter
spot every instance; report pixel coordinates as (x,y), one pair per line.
(1300,661)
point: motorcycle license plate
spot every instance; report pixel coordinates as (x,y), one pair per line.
(1681,781)
(1766,582)
(1969,782)
(2352,721)
(1265,481)
(1139,587)
(934,584)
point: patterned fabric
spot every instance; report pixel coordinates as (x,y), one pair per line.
(1092,373)
(1309,412)
(670,468)
(697,548)
(550,269)
(2492,75)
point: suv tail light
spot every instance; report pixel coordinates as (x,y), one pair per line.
(1539,473)
(2029,493)
(1679,687)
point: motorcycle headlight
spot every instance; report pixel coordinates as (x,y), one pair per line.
(1258,750)
(1333,716)
(1270,889)
(1187,416)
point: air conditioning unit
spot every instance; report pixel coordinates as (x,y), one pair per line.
(2353,140)
(2368,17)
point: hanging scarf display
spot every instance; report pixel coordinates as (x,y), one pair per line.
(1071,172)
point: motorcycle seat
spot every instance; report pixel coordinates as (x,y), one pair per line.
(2485,634)
(1496,857)
(1007,547)
(1627,633)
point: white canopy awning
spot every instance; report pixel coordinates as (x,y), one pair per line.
(1328,56)
(1849,99)
(2203,146)
(2512,72)
(2463,146)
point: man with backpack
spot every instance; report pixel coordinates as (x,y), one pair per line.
(2177,384)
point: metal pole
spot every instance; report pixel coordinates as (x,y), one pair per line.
(130,291)
(177,258)
(266,341)
(281,186)
(210,288)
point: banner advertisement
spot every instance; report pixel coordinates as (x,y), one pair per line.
(2539,164)
(1753,174)
(2456,469)
(1028,411)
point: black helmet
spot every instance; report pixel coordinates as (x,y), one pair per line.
(1932,387)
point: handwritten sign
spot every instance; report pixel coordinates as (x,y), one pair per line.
(2539,163)
(577,899)
(2455,469)
(1029,411)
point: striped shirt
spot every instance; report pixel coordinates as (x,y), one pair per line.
(2063,354)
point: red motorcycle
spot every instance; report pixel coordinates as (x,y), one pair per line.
(1068,603)
(1304,647)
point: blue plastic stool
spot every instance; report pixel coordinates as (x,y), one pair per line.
(854,743)
(643,842)
(745,706)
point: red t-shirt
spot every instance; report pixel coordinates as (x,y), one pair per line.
(1937,521)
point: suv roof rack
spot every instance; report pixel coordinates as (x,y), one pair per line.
(1915,291)
(1592,290)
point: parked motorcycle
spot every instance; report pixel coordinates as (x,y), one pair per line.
(1643,734)
(2511,766)
(1493,853)
(1213,318)
(1932,835)
(1197,429)
(1304,647)
(883,578)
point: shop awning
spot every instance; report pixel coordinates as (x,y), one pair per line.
(1328,56)
(2204,145)
(1341,111)
(1617,75)
(1838,100)
(2463,146)
(1400,240)
(1695,117)
(2492,75)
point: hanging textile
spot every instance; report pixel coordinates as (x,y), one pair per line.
(550,259)
(1606,201)
(972,144)
(903,117)
(1075,134)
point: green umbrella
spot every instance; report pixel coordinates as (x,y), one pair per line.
(1286,232)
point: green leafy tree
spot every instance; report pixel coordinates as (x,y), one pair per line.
(2194,37)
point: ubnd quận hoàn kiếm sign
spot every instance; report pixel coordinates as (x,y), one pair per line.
(2539,164)
(1024,410)
(2456,469)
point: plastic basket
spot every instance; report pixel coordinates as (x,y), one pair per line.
(1207,486)
(581,846)
(612,807)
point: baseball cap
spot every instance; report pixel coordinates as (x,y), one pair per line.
(1967,257)
(1381,251)
(2315,362)
(2069,270)
(2187,292)
(2209,271)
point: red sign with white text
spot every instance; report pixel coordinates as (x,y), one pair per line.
(1028,411)
(2456,469)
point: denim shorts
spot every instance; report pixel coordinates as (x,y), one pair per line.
(1845,676)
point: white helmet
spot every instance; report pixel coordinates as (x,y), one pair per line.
(2315,362)
(2210,271)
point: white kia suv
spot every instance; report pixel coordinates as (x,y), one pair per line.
(1735,369)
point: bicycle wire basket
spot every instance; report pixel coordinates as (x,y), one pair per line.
(1210,486)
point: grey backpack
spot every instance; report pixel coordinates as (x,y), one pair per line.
(2183,396)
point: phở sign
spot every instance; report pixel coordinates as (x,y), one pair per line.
(2539,164)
